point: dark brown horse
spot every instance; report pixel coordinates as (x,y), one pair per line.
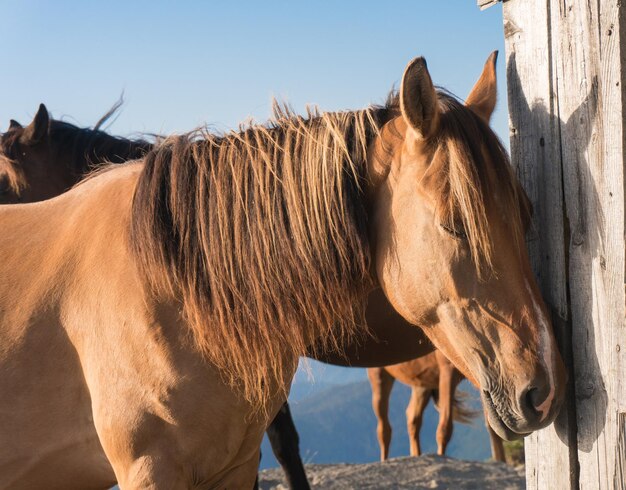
(47,157)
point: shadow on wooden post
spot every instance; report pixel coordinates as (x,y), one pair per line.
(582,214)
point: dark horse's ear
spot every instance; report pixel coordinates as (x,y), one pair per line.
(418,99)
(482,98)
(13,124)
(38,129)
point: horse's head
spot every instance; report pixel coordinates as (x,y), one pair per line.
(27,172)
(448,237)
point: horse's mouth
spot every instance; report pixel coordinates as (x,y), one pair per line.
(497,422)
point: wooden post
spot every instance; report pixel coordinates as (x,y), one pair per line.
(484,4)
(566,63)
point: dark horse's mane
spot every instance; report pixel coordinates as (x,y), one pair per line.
(263,233)
(91,146)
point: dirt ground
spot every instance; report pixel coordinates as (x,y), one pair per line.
(429,471)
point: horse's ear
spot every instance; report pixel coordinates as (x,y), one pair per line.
(38,129)
(418,99)
(13,124)
(482,98)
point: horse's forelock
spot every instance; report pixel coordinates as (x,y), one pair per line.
(477,169)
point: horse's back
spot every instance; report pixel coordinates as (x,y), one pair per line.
(48,248)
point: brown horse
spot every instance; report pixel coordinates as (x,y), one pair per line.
(48,156)
(49,145)
(152,322)
(430,376)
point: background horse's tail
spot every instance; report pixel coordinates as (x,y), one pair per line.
(461,410)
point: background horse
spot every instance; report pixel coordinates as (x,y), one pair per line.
(198,276)
(47,157)
(431,376)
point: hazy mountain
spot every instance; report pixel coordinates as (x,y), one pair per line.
(333,413)
(314,377)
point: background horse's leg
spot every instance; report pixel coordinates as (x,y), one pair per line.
(414,412)
(497,447)
(449,378)
(381,382)
(284,438)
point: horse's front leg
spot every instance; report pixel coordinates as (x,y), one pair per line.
(180,442)
(164,464)
(144,451)
(151,471)
(164,415)
(449,378)
(382,383)
(497,446)
(284,439)
(414,412)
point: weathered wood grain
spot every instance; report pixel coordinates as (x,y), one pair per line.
(535,153)
(586,42)
(566,65)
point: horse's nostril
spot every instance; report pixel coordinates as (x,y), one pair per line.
(534,398)
(531,398)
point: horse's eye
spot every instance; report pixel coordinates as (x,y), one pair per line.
(455,232)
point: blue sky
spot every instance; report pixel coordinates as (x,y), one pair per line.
(182,64)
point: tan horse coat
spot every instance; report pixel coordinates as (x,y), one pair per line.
(91,382)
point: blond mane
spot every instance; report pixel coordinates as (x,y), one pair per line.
(263,233)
